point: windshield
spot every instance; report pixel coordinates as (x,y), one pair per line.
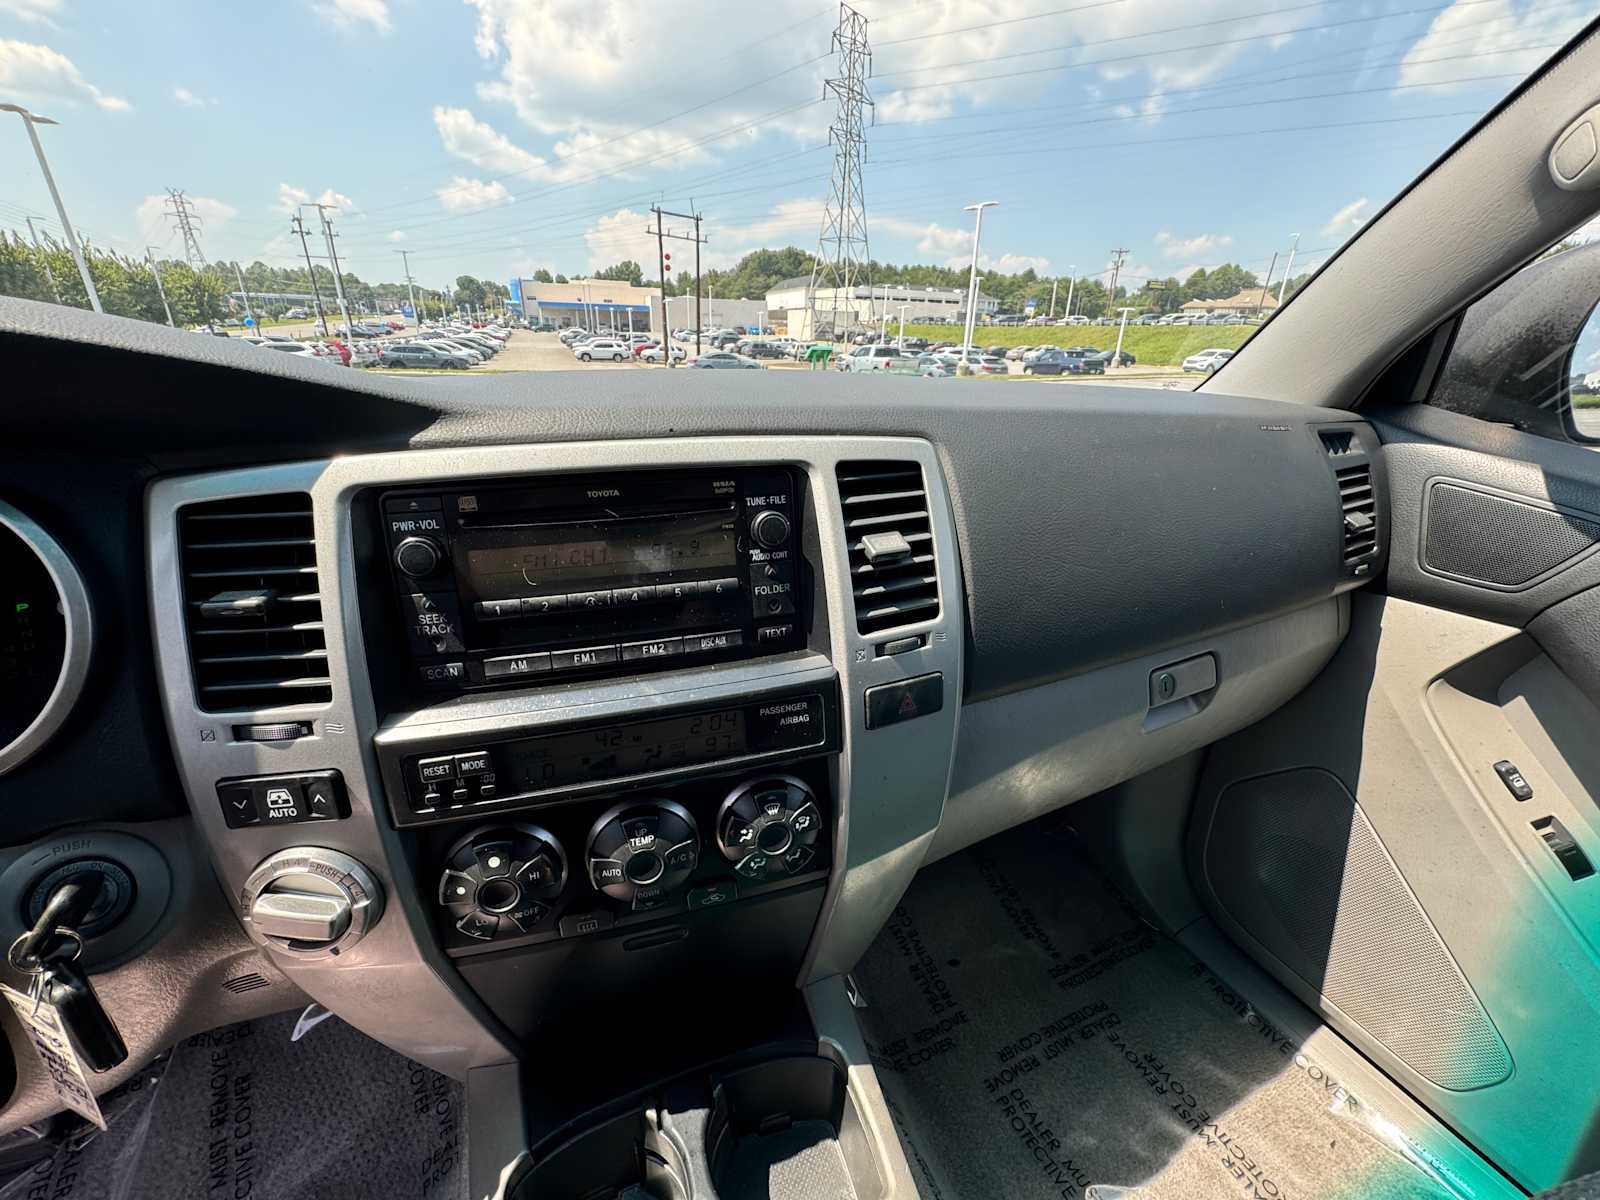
(1146,180)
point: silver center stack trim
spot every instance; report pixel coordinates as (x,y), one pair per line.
(396,985)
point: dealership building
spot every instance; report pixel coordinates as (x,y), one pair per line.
(589,303)
(867,305)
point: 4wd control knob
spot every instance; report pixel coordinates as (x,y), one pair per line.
(769,529)
(311,901)
(641,853)
(501,881)
(418,557)
(768,826)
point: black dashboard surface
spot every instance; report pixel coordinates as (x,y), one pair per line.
(1094,522)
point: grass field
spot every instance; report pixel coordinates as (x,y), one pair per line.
(1151,345)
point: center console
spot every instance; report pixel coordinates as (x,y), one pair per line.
(641,739)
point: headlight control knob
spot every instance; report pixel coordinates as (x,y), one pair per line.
(502,881)
(768,827)
(640,853)
(311,901)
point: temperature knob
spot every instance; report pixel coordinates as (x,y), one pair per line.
(501,881)
(641,853)
(767,827)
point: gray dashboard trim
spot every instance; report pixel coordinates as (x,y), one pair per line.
(395,985)
(79,638)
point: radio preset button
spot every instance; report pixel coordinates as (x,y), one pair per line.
(587,656)
(718,587)
(589,599)
(660,648)
(498,610)
(677,591)
(634,595)
(515,664)
(538,606)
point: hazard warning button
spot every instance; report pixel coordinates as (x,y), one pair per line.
(891,703)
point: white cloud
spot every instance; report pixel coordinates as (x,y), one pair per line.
(396,235)
(621,236)
(909,108)
(153,215)
(481,144)
(291,198)
(348,14)
(1173,246)
(189,99)
(1347,219)
(1495,30)
(39,75)
(39,11)
(462,193)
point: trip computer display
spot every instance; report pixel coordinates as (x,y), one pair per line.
(620,750)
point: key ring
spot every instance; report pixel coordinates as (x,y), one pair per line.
(39,964)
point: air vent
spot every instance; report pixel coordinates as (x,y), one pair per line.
(1337,442)
(1360,507)
(251,605)
(240,984)
(890,535)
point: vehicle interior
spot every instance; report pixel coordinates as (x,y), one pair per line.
(686,785)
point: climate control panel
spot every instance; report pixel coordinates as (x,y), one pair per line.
(670,852)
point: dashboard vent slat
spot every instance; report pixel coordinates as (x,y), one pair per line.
(1359,505)
(879,498)
(272,650)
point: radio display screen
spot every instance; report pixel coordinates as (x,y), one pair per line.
(563,759)
(510,561)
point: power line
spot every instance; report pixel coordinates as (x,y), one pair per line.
(187,222)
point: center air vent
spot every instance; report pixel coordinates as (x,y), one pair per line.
(889,531)
(1360,507)
(251,607)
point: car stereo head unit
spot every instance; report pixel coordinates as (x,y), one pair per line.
(521,581)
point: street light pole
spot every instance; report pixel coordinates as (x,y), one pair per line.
(1071,283)
(150,254)
(1289,270)
(1116,355)
(972,275)
(30,120)
(901,344)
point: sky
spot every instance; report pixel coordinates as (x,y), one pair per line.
(495,137)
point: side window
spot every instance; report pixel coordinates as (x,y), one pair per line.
(1528,353)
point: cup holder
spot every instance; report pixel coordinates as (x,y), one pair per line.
(781,1129)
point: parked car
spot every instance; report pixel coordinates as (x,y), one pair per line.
(296,314)
(870,358)
(930,367)
(655,354)
(420,354)
(715,360)
(603,348)
(1052,361)
(758,349)
(1124,359)
(1017,353)
(1207,361)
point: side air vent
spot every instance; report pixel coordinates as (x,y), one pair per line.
(889,530)
(251,605)
(1337,442)
(1360,511)
(240,984)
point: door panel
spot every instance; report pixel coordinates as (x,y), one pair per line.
(1360,842)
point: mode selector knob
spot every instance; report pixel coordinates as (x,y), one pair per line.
(770,529)
(418,557)
(768,828)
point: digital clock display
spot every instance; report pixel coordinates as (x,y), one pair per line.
(564,759)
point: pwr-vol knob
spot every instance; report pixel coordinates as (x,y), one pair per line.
(418,557)
(642,853)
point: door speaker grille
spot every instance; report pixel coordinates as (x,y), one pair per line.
(1293,860)
(1488,538)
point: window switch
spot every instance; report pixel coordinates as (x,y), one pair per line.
(1566,849)
(1512,778)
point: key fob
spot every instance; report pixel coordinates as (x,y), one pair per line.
(83,1016)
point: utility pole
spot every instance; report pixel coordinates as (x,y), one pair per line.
(333,260)
(298,226)
(150,253)
(1288,270)
(842,253)
(188,223)
(405,257)
(243,291)
(662,234)
(44,261)
(30,120)
(1116,269)
(1267,285)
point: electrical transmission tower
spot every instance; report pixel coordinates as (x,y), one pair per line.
(842,258)
(188,223)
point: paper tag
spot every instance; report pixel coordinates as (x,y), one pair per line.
(43,1027)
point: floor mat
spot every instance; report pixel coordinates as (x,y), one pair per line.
(250,1112)
(1036,1039)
